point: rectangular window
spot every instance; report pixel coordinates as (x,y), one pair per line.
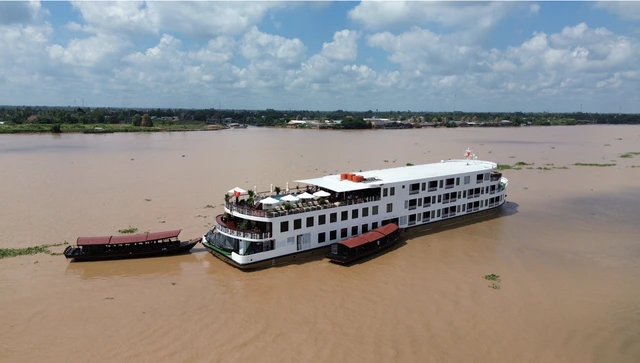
(343,233)
(374,210)
(333,235)
(433,185)
(414,188)
(365,211)
(438,213)
(309,222)
(322,219)
(322,237)
(374,225)
(384,192)
(365,228)
(392,191)
(354,214)
(479,178)
(333,217)
(440,198)
(297,223)
(354,230)
(284,226)
(433,214)
(458,181)
(467,179)
(440,184)
(413,204)
(449,183)
(424,186)
(426,202)
(425,216)
(344,215)
(389,207)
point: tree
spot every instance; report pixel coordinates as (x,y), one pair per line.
(137,120)
(146,121)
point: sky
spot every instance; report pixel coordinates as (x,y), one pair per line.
(505,56)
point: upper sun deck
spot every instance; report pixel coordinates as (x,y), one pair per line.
(377,178)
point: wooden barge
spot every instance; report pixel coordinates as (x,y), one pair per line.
(129,246)
(357,247)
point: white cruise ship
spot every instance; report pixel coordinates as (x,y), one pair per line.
(260,230)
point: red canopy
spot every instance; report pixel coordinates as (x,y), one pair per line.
(370,236)
(131,238)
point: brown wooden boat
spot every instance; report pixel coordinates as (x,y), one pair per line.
(357,247)
(129,246)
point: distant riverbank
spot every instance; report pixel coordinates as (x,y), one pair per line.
(102,128)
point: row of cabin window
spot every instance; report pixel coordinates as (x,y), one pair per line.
(344,232)
(449,211)
(426,216)
(333,217)
(446,197)
(439,184)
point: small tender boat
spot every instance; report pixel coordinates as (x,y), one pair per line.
(357,247)
(129,246)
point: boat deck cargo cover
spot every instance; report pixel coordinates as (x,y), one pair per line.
(134,238)
(370,236)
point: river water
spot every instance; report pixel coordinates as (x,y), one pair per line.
(566,246)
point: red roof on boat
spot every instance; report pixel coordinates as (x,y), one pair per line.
(370,236)
(132,238)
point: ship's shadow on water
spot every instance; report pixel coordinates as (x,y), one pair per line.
(131,268)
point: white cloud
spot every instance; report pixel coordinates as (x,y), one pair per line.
(629,10)
(344,46)
(118,17)
(198,63)
(23,12)
(382,14)
(257,45)
(534,9)
(195,18)
(88,52)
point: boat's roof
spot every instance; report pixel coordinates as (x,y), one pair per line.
(377,178)
(370,236)
(128,238)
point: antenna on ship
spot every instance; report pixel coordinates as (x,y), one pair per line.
(469,155)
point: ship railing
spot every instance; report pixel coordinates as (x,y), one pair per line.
(302,207)
(244,234)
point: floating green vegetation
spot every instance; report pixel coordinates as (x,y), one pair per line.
(561,167)
(128,230)
(531,167)
(522,163)
(504,167)
(201,216)
(629,154)
(386,161)
(542,168)
(607,144)
(549,164)
(148,200)
(512,157)
(13,252)
(593,164)
(209,206)
(409,164)
(517,168)
(492,277)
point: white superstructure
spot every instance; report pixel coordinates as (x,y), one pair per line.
(254,232)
